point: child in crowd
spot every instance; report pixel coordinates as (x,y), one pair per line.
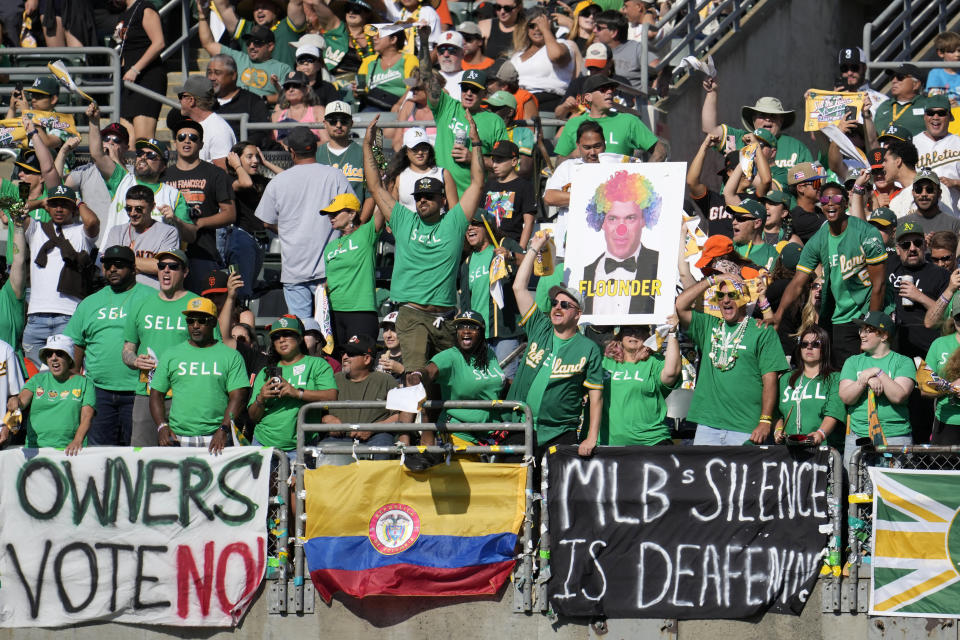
(946,80)
(509,198)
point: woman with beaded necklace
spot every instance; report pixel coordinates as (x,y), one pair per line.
(736,391)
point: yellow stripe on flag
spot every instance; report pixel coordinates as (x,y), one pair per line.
(460,499)
(913,592)
(915,545)
(906,505)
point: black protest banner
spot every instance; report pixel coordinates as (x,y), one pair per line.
(685,532)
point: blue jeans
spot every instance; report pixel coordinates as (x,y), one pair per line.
(850,445)
(39,327)
(299,297)
(504,347)
(244,251)
(711,436)
(381,439)
(112,425)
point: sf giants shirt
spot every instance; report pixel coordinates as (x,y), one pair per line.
(204,188)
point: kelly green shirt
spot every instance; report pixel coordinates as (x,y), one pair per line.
(337,41)
(373,75)
(461,381)
(450,118)
(713,399)
(634,403)
(97,326)
(790,151)
(201,379)
(894,418)
(351,281)
(845,259)
(478,276)
(54,413)
(622,132)
(762,254)
(120,172)
(948,409)
(278,426)
(553,375)
(427,256)
(805,404)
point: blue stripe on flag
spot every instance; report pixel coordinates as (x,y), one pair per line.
(355,553)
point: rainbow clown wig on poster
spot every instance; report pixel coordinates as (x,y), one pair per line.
(624,187)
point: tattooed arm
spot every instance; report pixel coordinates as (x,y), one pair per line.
(433,81)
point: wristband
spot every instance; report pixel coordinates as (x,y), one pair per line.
(301,395)
(766,417)
(780,428)
(820,431)
(943,299)
(858,189)
(226,428)
(161,426)
(30,134)
(764,420)
(711,280)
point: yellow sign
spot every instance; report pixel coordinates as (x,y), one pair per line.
(822,108)
(12,133)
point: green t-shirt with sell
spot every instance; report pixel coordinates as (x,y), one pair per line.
(157,325)
(763,255)
(283,34)
(98,327)
(427,256)
(350,270)
(12,318)
(450,117)
(54,413)
(790,151)
(908,116)
(804,404)
(553,374)
(634,403)
(278,426)
(622,132)
(759,352)
(350,163)
(948,409)
(255,76)
(201,379)
(894,418)
(461,381)
(478,276)
(845,259)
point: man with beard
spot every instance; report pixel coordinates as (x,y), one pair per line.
(913,298)
(852,254)
(939,150)
(208,382)
(96,329)
(343,153)
(259,72)
(268,14)
(450,59)
(741,360)
(144,235)
(927,208)
(150,163)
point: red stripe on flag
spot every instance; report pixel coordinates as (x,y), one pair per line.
(413,580)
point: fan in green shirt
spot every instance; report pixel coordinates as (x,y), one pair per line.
(208,380)
(635,391)
(286,20)
(939,358)
(748,220)
(349,259)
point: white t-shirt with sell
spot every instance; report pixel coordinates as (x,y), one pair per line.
(943,157)
(44,297)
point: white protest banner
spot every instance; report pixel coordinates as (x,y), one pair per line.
(623,238)
(148,536)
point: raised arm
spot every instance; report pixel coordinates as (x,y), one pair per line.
(689,296)
(708,113)
(18,265)
(558,53)
(730,197)
(857,210)
(696,188)
(371,173)
(207,41)
(434,81)
(104,163)
(470,199)
(934,315)
(525,299)
(49,173)
(671,360)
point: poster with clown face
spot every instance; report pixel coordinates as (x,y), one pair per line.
(623,239)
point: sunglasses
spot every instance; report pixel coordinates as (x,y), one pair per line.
(506,8)
(469,88)
(257,43)
(905,244)
(112,140)
(946,258)
(169,266)
(900,76)
(925,188)
(812,344)
(201,320)
(936,112)
(115,264)
(307,60)
(745,218)
(417,197)
(566,306)
(816,286)
(279,335)
(149,155)
(192,137)
(339,120)
(130,209)
(447,49)
(729,295)
(849,67)
(835,199)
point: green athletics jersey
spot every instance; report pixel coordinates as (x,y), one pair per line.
(98,325)
(804,404)
(350,163)
(350,269)
(845,259)
(54,413)
(461,381)
(283,34)
(622,132)
(553,374)
(908,115)
(373,75)
(255,76)
(894,418)
(278,426)
(336,41)
(427,255)
(201,379)
(155,326)
(450,118)
(761,254)
(759,352)
(948,409)
(790,151)
(634,403)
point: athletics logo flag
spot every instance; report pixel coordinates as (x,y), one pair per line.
(916,548)
(375,528)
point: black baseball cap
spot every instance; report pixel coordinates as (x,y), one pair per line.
(907,69)
(216,282)
(469,317)
(598,81)
(428,185)
(360,345)
(28,161)
(301,140)
(505,149)
(121,253)
(260,33)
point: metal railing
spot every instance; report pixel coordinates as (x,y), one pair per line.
(523,594)
(182,42)
(903,31)
(278,536)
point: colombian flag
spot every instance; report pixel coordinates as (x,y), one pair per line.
(375,528)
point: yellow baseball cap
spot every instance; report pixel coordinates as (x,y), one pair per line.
(342,201)
(200,305)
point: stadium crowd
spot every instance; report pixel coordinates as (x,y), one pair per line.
(824,305)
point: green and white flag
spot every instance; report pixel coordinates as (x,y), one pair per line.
(916,548)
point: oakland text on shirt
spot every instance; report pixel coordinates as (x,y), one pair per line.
(856,265)
(557,367)
(383,77)
(165,323)
(620,288)
(936,158)
(201,368)
(351,172)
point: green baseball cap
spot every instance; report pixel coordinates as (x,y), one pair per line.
(909,228)
(46,85)
(285,323)
(777,197)
(955,304)
(750,207)
(883,217)
(896,132)
(767,137)
(939,102)
(877,320)
(502,99)
(790,255)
